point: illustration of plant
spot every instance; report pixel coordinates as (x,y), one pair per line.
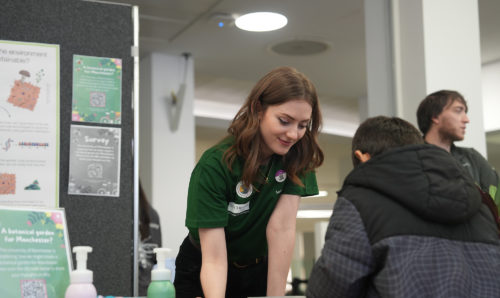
(46,219)
(39,217)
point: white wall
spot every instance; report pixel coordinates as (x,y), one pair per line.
(166,171)
(490,75)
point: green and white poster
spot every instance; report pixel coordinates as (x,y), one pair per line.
(34,253)
(29,124)
(97,89)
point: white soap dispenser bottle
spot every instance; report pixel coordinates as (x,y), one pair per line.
(81,279)
(161,286)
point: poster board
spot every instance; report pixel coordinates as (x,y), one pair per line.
(35,259)
(94,29)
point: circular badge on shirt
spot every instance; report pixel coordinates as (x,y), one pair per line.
(280,176)
(243,191)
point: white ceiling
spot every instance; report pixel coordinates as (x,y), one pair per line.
(228,61)
(230,53)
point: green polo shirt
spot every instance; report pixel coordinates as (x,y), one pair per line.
(217,198)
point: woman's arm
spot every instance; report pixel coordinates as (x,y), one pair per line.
(213,262)
(280,234)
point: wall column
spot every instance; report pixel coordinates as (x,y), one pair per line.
(167,131)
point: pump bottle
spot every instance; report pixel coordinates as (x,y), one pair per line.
(81,279)
(160,285)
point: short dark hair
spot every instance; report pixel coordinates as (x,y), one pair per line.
(378,134)
(433,105)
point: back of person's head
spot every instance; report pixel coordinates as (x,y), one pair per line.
(379,134)
(432,106)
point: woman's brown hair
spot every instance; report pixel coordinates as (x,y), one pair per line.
(277,87)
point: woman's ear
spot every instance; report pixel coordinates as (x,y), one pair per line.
(362,157)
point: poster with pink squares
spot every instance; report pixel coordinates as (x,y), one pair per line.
(29,124)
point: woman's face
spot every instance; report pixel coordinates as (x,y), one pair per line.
(281,126)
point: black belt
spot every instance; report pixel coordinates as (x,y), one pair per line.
(248,263)
(239,264)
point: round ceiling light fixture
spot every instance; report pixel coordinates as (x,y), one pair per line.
(261,21)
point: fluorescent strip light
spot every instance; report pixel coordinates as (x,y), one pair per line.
(261,21)
(321,193)
(314,214)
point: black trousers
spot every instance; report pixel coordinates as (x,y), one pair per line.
(241,282)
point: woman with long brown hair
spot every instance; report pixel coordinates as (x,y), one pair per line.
(244,193)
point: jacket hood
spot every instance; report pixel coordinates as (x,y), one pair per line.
(424,178)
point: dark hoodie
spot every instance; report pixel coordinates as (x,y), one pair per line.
(409,223)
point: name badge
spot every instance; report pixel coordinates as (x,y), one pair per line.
(236,209)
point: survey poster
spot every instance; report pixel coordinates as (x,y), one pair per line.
(97,89)
(94,162)
(29,124)
(35,259)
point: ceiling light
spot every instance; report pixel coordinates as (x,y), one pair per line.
(321,193)
(315,210)
(261,21)
(314,213)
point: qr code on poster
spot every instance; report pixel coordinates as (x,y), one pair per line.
(33,288)
(98,99)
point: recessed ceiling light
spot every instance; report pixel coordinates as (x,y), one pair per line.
(300,47)
(261,21)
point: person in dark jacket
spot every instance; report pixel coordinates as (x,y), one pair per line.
(408,222)
(442,118)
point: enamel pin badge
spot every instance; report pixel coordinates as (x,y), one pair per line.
(243,191)
(280,176)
